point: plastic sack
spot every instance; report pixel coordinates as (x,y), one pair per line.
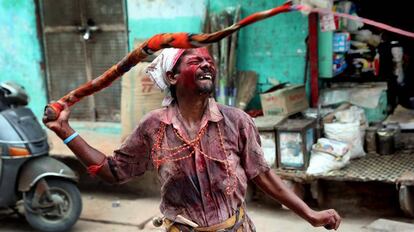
(359,115)
(328,155)
(353,114)
(330,146)
(346,132)
(349,127)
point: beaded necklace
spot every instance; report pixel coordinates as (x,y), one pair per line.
(192,146)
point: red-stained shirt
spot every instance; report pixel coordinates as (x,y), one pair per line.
(196,186)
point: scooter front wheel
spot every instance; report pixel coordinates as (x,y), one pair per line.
(60,212)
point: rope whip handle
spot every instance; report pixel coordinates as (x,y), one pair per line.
(148,47)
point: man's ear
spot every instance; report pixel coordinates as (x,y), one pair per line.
(171,78)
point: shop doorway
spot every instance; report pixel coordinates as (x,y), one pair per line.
(81,40)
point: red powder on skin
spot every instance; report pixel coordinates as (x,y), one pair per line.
(189,68)
(188,77)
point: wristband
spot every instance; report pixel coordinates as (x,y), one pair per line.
(70,138)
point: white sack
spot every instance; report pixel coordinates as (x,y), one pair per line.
(349,127)
(346,132)
(328,155)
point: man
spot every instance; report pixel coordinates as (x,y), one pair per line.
(204,153)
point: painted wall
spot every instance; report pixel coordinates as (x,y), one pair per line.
(149,17)
(274,48)
(20,51)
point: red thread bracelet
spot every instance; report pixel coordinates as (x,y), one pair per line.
(95,168)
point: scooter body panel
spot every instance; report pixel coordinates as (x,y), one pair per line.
(19,127)
(7,132)
(8,179)
(40,167)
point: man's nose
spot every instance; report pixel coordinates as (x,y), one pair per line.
(205,64)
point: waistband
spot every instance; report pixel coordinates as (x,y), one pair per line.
(232,224)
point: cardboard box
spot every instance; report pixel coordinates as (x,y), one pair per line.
(139,96)
(284,101)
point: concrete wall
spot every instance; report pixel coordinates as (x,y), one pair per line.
(20,51)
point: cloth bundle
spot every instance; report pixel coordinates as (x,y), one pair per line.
(159,67)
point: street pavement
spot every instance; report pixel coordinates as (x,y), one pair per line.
(107,212)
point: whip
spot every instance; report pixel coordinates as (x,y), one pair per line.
(148,47)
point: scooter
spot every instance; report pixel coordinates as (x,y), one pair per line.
(44,186)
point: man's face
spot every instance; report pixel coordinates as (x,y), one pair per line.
(197,71)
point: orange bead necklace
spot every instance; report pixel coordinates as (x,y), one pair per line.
(192,146)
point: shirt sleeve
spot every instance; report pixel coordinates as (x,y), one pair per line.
(252,157)
(133,157)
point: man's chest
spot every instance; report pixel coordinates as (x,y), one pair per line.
(211,158)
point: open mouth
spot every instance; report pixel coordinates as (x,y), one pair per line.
(206,76)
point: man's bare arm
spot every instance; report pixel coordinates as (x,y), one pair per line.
(83,151)
(272,185)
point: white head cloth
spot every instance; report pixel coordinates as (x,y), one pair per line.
(159,67)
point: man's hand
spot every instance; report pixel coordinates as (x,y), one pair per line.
(329,219)
(271,184)
(83,151)
(60,123)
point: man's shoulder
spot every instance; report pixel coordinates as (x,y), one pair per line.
(233,112)
(153,116)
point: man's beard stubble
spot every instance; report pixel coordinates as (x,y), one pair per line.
(206,89)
